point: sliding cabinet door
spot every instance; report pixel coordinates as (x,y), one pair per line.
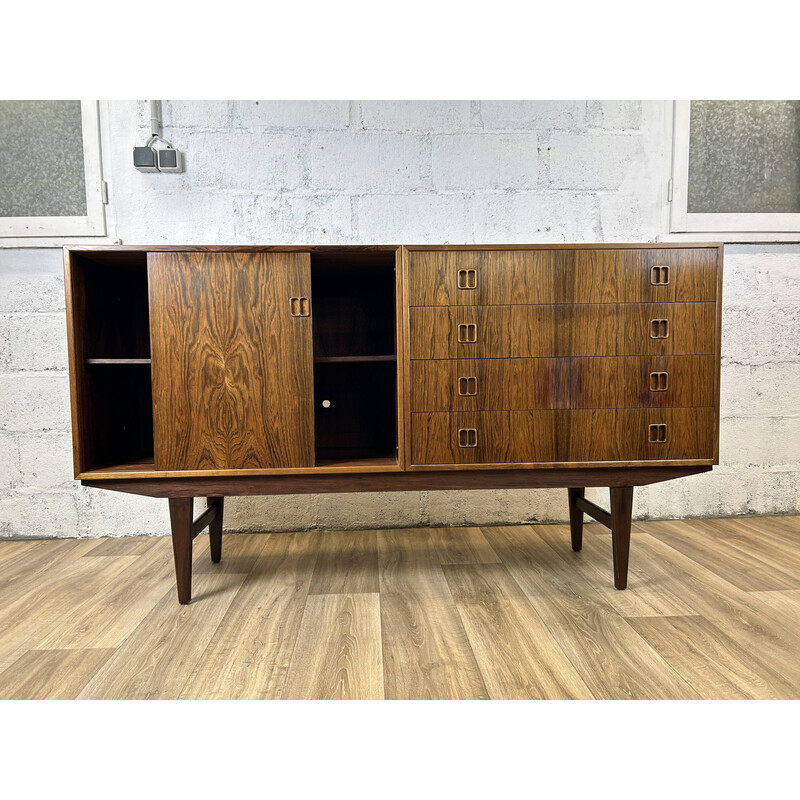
(232,360)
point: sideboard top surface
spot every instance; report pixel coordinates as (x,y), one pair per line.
(166,248)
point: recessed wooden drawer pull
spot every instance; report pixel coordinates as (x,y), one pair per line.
(299,306)
(658,433)
(659,328)
(467,437)
(658,381)
(659,276)
(467,279)
(468,333)
(467,387)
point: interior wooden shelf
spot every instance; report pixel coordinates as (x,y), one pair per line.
(107,361)
(352,359)
(361,461)
(138,465)
(148,465)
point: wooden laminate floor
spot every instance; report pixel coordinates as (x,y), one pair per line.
(713,611)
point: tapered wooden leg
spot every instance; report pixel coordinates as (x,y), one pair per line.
(575,519)
(621,512)
(215,528)
(180,516)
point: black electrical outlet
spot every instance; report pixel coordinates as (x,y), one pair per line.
(144,159)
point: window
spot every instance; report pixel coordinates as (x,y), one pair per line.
(736,169)
(50,173)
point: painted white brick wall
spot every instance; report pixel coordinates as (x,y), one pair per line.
(338,172)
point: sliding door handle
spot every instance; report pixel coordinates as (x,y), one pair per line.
(299,306)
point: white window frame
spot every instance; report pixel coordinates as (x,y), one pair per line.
(723,227)
(94,223)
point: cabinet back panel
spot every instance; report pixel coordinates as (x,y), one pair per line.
(353,298)
(360,420)
(119,428)
(498,277)
(232,368)
(116,324)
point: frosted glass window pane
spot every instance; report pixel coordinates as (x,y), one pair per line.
(744,157)
(41,159)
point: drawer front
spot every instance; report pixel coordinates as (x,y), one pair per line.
(548,383)
(498,277)
(559,436)
(540,331)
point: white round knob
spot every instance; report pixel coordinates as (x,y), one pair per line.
(326,403)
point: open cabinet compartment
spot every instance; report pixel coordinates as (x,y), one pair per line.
(355,356)
(112,351)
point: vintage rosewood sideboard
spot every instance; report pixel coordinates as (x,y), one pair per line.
(219,371)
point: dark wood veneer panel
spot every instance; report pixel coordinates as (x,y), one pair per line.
(498,277)
(531,383)
(398,481)
(232,369)
(530,331)
(562,436)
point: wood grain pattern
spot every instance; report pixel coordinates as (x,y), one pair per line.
(401,343)
(28,564)
(232,370)
(771,638)
(75,302)
(337,655)
(107,618)
(545,276)
(125,251)
(426,653)
(733,558)
(717,664)
(123,546)
(156,661)
(249,654)
(651,592)
(332,466)
(528,331)
(29,618)
(462,546)
(52,674)
(417,478)
(786,602)
(529,383)
(614,662)
(620,524)
(680,631)
(517,654)
(347,564)
(581,435)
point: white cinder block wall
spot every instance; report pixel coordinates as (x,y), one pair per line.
(396,172)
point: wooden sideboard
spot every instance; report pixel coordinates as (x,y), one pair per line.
(218,371)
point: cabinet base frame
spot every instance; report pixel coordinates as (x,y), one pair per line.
(182,491)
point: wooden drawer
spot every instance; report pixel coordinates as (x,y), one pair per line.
(498,437)
(497,277)
(535,331)
(531,383)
